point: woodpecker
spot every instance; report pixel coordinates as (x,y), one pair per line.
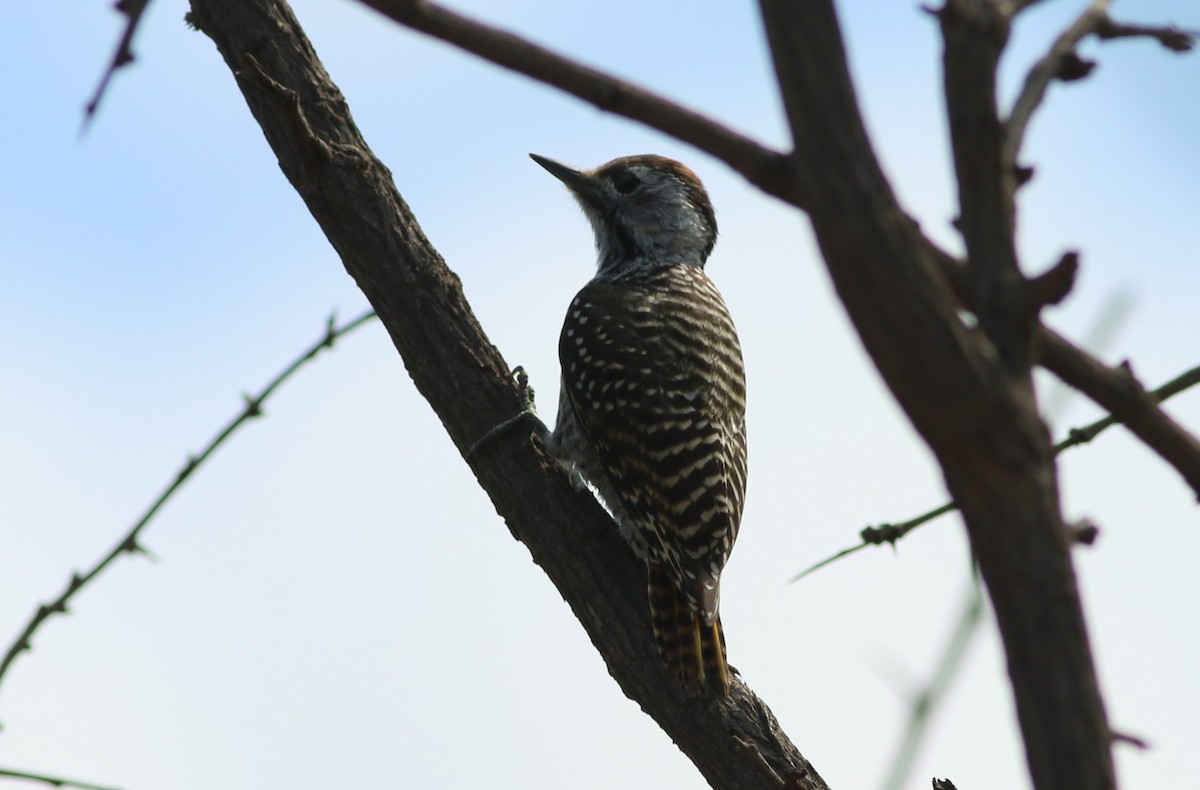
(652,405)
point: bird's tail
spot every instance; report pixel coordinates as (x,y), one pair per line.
(693,650)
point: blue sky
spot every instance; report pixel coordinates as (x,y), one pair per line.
(335,602)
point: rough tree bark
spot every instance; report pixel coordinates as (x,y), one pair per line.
(967,390)
(736,743)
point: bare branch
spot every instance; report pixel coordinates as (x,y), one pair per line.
(1083,532)
(54,781)
(975,35)
(1171,37)
(1063,63)
(972,406)
(133,10)
(1053,285)
(1098,381)
(877,536)
(129,544)
(761,165)
(1077,436)
(1135,741)
(1060,62)
(1118,390)
(736,743)
(888,533)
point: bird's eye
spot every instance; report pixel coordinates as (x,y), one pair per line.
(626,183)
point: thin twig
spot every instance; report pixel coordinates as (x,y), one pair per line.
(129,542)
(1135,741)
(1169,36)
(890,533)
(1063,63)
(877,536)
(1117,390)
(55,781)
(1047,69)
(133,11)
(1078,436)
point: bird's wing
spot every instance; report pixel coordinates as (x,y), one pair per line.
(654,373)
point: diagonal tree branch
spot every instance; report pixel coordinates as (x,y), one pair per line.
(1117,390)
(123,56)
(736,743)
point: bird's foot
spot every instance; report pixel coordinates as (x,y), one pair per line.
(528,410)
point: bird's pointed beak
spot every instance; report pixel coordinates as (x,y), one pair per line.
(579,182)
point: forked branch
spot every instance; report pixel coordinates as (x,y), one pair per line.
(1062,62)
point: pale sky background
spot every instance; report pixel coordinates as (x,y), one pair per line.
(335,602)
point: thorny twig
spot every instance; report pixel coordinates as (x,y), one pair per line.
(890,533)
(128,544)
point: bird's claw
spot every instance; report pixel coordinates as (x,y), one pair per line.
(526,389)
(528,409)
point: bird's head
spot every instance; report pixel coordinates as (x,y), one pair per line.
(646,211)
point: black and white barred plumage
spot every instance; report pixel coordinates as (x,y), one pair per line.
(652,408)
